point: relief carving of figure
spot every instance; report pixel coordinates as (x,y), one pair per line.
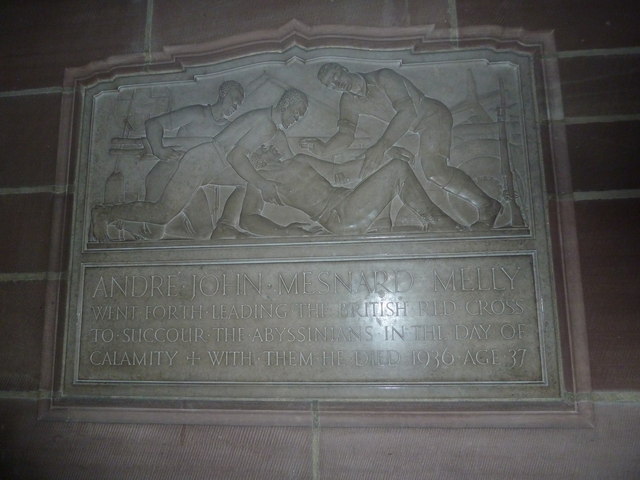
(222,161)
(302,182)
(194,125)
(395,100)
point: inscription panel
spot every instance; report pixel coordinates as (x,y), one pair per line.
(422,320)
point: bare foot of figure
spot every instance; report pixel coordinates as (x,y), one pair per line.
(441,223)
(381,225)
(224,231)
(100,223)
(488,214)
(143,230)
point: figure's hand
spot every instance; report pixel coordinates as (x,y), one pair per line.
(168,154)
(270,192)
(373,159)
(313,145)
(401,154)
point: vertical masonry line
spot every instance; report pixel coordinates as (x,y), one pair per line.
(147,31)
(453,20)
(315,441)
(407,14)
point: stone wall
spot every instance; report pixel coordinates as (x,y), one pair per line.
(598,47)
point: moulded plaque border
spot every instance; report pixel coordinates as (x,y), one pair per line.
(574,410)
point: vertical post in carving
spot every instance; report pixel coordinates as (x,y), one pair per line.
(509,193)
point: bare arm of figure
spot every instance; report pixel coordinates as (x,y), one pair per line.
(156,126)
(281,143)
(343,137)
(395,88)
(238,158)
(335,173)
(347,172)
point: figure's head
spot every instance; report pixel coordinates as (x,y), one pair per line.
(292,106)
(264,156)
(230,95)
(335,76)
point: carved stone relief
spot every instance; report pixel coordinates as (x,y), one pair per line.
(308,148)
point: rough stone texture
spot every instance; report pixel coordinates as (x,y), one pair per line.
(603,155)
(600,85)
(22,311)
(578,24)
(192,21)
(28,218)
(610,258)
(55,450)
(28,139)
(472,453)
(39,39)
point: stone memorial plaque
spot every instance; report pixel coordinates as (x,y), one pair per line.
(315,221)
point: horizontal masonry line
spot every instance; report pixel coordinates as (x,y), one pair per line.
(55,189)
(566,121)
(606,195)
(34,91)
(577,196)
(23,395)
(31,276)
(599,52)
(602,119)
(623,396)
